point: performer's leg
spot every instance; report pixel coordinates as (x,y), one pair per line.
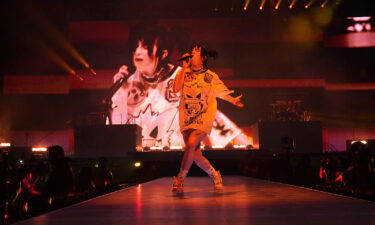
(192,140)
(203,162)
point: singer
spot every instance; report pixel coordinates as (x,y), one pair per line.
(198,88)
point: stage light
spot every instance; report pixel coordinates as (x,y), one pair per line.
(278,4)
(262,4)
(156,148)
(137,164)
(247,2)
(361,24)
(87,66)
(239,146)
(291,5)
(324,3)
(362,141)
(217,147)
(5,144)
(39,149)
(74,73)
(216,9)
(309,4)
(176,147)
(44,23)
(54,57)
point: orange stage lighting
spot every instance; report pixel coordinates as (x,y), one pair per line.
(54,33)
(54,57)
(324,3)
(247,2)
(278,4)
(292,4)
(309,4)
(262,4)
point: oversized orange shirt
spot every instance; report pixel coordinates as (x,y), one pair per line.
(198,105)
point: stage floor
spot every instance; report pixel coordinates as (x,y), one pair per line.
(244,201)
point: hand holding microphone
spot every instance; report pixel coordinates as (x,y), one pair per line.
(123,72)
(186,60)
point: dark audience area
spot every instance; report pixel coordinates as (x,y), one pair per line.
(349,173)
(40,185)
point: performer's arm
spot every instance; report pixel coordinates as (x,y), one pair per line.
(180,76)
(224,93)
(234,100)
(179,80)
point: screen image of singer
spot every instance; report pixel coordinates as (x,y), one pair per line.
(146,97)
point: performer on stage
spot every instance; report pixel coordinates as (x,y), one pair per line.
(198,87)
(146,98)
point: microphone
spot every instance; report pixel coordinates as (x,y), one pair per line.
(184,58)
(113,89)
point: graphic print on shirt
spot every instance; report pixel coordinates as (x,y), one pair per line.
(171,96)
(208,78)
(137,94)
(194,106)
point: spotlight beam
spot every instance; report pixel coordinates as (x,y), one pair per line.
(54,57)
(324,3)
(247,2)
(309,4)
(262,4)
(34,12)
(291,5)
(278,4)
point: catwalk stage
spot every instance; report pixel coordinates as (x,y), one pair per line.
(244,201)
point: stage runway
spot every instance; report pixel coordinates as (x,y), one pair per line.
(244,201)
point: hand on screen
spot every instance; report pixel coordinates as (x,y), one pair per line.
(186,63)
(237,101)
(123,71)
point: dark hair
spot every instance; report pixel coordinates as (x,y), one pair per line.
(205,53)
(55,153)
(151,34)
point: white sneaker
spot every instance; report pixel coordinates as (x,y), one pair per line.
(178,185)
(217,180)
